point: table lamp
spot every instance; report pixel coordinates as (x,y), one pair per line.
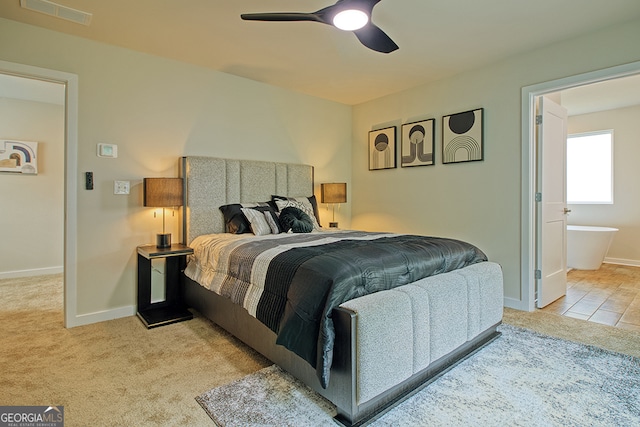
(163,193)
(333,193)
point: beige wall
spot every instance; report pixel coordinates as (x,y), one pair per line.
(32,205)
(157,110)
(481,201)
(624,213)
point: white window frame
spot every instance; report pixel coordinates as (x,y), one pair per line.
(592,202)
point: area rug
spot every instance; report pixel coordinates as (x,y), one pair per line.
(520,379)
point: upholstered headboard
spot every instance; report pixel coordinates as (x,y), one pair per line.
(211,182)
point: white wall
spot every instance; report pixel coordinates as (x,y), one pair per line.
(32,205)
(624,213)
(157,110)
(480,201)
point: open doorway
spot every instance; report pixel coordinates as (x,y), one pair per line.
(69,83)
(32,137)
(529,162)
(603,206)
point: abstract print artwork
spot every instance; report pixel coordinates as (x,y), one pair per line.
(418,143)
(382,148)
(462,137)
(19,157)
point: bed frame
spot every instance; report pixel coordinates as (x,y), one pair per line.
(378,360)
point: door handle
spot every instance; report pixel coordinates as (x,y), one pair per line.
(566,211)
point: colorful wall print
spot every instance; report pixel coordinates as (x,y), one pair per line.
(382,149)
(418,143)
(19,157)
(462,137)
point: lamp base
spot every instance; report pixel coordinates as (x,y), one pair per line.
(163,240)
(333,225)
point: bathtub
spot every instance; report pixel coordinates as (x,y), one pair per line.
(587,246)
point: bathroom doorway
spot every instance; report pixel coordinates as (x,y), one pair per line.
(529,159)
(610,294)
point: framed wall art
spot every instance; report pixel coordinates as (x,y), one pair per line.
(418,144)
(382,148)
(19,157)
(462,137)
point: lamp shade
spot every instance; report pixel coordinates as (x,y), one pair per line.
(162,192)
(335,192)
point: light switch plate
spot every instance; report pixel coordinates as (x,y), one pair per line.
(121,187)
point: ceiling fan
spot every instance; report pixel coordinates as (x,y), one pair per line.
(348,15)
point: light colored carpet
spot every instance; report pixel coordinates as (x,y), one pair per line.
(118,373)
(115,373)
(520,379)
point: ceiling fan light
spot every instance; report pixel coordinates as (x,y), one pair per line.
(350,19)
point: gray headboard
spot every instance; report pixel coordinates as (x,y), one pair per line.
(211,182)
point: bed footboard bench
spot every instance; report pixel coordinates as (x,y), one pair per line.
(388,343)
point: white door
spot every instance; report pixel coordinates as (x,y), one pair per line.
(551,197)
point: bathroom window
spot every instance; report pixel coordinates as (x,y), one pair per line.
(590,168)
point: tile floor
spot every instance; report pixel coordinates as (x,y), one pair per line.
(610,295)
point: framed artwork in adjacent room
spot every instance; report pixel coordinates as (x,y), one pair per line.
(382,148)
(19,157)
(462,137)
(418,143)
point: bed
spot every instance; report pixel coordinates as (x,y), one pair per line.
(382,344)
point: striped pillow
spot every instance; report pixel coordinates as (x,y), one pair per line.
(258,222)
(272,220)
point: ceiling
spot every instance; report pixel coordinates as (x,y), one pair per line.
(437,39)
(607,95)
(31,89)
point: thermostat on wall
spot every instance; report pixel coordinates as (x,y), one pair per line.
(108,150)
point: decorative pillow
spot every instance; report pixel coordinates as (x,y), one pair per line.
(272,220)
(234,219)
(270,215)
(295,220)
(301,203)
(311,200)
(259,224)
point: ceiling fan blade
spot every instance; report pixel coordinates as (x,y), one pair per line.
(366,5)
(280,16)
(376,39)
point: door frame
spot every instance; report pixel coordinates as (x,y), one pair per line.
(70,82)
(528,240)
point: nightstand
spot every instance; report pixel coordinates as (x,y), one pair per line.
(172,309)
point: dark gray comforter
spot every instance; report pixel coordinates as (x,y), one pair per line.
(302,285)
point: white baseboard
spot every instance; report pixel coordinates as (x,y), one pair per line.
(622,261)
(101,316)
(31,272)
(82,319)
